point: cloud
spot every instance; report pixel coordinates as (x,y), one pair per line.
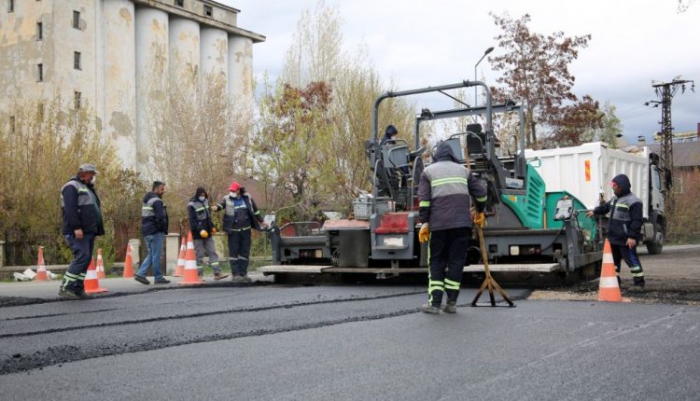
(425,43)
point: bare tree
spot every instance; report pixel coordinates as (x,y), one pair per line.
(198,138)
(334,166)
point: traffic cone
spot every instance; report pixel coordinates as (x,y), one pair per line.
(191,276)
(100,264)
(128,268)
(609,289)
(41,267)
(92,284)
(180,271)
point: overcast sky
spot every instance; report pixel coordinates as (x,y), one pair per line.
(418,43)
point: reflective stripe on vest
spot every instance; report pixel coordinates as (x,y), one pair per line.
(231,207)
(621,208)
(84,197)
(200,209)
(147,209)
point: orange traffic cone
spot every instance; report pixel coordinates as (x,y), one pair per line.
(92,264)
(92,284)
(100,264)
(609,289)
(128,268)
(180,271)
(41,267)
(191,276)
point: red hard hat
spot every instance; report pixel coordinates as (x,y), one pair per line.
(234,186)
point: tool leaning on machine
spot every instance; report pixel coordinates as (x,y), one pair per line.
(489,282)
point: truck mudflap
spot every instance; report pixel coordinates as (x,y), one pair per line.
(496,268)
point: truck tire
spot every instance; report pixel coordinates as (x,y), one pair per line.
(656,244)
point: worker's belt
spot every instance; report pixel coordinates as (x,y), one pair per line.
(240,229)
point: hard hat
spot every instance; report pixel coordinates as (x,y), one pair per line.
(204,234)
(234,186)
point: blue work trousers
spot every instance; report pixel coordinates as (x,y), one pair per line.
(82,255)
(154,245)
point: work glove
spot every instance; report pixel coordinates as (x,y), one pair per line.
(480,219)
(424,233)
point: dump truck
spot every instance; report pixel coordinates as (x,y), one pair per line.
(529,230)
(586,171)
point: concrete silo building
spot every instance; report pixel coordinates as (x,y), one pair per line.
(115,55)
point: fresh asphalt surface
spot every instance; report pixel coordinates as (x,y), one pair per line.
(349,342)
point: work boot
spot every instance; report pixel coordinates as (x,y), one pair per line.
(141,279)
(68,294)
(238,279)
(638,285)
(162,281)
(428,308)
(450,307)
(220,276)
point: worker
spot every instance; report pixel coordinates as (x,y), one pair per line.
(202,229)
(444,193)
(82,222)
(624,228)
(240,215)
(154,226)
(389,135)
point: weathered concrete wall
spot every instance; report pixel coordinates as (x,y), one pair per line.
(21,51)
(214,53)
(68,40)
(119,93)
(184,51)
(151,75)
(128,50)
(240,71)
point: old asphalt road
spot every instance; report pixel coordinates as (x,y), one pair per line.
(344,342)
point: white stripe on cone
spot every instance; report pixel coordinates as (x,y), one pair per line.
(608,282)
(91,274)
(608,258)
(190,264)
(181,262)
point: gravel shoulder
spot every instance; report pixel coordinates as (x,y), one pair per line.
(673,277)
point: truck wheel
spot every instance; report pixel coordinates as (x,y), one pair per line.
(656,244)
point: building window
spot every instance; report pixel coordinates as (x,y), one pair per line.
(78,97)
(76,19)
(11,6)
(76,61)
(208,11)
(39,31)
(180,3)
(40,72)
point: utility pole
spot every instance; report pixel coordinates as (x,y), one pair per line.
(665,91)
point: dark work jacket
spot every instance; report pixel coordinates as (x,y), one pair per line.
(80,207)
(241,216)
(199,217)
(445,190)
(626,218)
(154,215)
